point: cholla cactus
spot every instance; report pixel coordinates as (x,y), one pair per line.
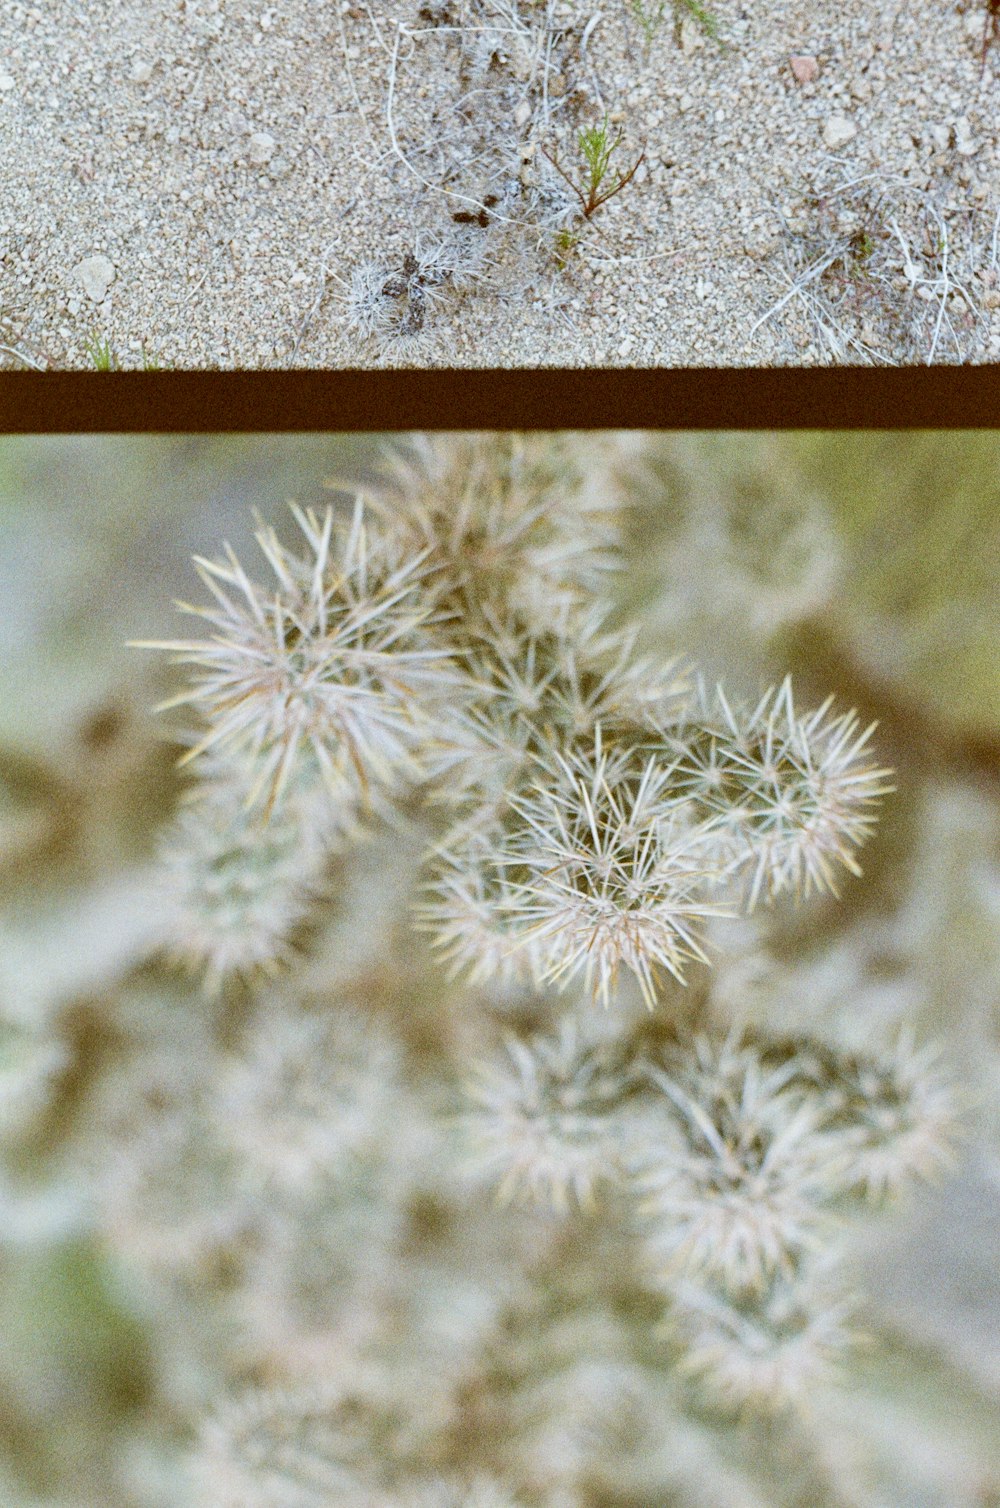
(308,1096)
(795,794)
(483,1217)
(541,1123)
(524,525)
(296,1450)
(235,890)
(771,1350)
(740,1203)
(607,872)
(896,1113)
(325,667)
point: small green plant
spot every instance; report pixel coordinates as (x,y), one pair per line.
(566,242)
(649,20)
(862,247)
(704,18)
(102,353)
(600,182)
(862,244)
(105,358)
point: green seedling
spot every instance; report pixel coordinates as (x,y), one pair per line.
(102,353)
(862,246)
(566,243)
(105,358)
(649,20)
(600,182)
(704,18)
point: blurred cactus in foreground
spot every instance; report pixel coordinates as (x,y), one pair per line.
(531,1133)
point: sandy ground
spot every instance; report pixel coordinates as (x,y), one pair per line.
(196,183)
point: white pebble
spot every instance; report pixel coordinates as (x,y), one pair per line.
(6,82)
(838,131)
(95,276)
(261,147)
(691,36)
(964,143)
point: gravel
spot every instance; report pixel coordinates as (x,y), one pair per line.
(196,181)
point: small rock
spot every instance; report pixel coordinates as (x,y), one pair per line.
(692,36)
(6,82)
(142,71)
(260,148)
(95,276)
(964,143)
(522,114)
(804,67)
(838,131)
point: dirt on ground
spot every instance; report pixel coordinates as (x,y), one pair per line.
(336,183)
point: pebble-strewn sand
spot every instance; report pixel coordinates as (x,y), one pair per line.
(197,180)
